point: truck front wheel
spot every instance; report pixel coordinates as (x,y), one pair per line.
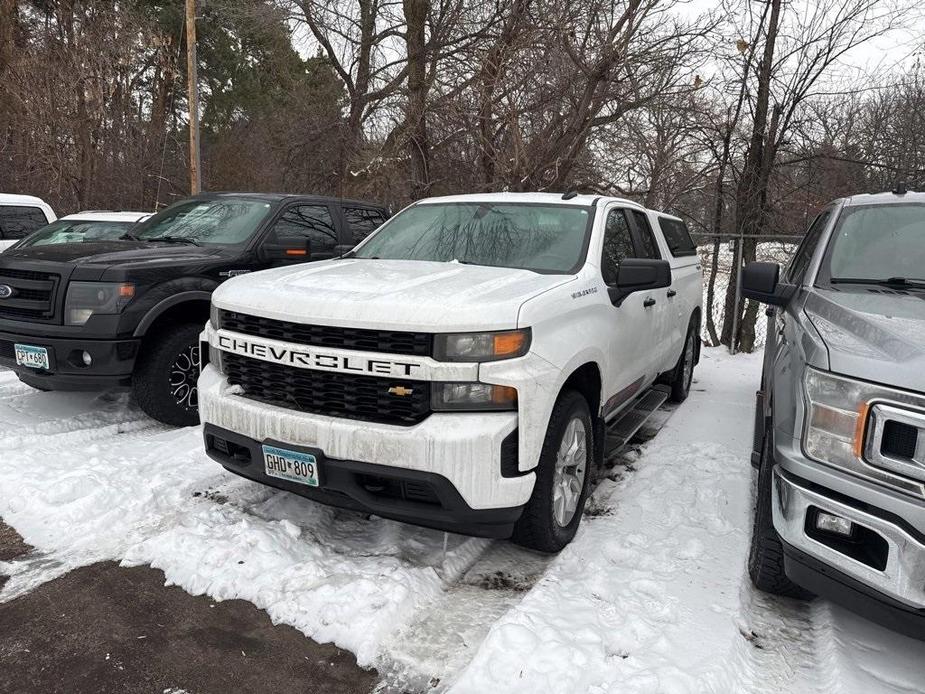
(683,373)
(551,517)
(164,382)
(766,553)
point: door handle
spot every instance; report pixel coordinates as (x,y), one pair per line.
(648,302)
(672,293)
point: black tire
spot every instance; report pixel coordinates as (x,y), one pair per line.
(766,553)
(537,527)
(683,374)
(162,384)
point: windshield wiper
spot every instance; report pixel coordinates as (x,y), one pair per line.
(128,236)
(175,239)
(891,282)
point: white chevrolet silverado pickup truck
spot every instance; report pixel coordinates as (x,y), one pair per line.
(464,368)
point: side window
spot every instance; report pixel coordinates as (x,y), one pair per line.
(648,248)
(618,244)
(678,237)
(311,221)
(804,254)
(17,221)
(362,221)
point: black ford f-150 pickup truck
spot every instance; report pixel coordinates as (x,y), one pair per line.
(127,313)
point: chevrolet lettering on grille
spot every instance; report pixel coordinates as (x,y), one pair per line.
(318,359)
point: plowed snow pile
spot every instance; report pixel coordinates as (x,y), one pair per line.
(651,597)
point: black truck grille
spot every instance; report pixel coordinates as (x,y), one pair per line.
(334,394)
(33,294)
(387,341)
(899,439)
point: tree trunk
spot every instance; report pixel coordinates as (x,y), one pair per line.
(353,141)
(751,193)
(711,292)
(9,13)
(8,21)
(416,12)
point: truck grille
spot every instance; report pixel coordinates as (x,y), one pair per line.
(387,341)
(33,294)
(365,398)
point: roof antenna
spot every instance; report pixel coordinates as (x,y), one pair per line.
(900,188)
(569,195)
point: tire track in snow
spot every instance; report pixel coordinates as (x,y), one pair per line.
(484,581)
(777,651)
(79,430)
(435,648)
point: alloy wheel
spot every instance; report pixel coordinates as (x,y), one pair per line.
(571,468)
(184,373)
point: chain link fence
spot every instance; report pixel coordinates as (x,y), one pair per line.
(770,251)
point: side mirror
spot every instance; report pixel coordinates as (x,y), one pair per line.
(761,282)
(286,248)
(637,275)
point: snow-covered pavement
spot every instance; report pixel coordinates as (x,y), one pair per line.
(651,597)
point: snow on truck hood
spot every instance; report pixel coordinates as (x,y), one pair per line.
(388,294)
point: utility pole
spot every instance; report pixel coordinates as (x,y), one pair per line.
(192,73)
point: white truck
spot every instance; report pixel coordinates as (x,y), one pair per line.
(20,215)
(464,368)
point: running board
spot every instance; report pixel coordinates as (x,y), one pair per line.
(621,430)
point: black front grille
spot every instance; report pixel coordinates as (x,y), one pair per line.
(33,293)
(899,439)
(387,341)
(24,274)
(328,393)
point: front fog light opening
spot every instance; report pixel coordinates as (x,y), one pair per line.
(830,523)
(79,359)
(847,537)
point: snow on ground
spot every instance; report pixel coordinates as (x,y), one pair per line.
(651,597)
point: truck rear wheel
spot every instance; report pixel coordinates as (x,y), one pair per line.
(551,517)
(766,553)
(164,382)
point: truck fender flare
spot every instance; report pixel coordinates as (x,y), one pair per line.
(155,312)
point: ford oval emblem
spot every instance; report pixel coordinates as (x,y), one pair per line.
(6,291)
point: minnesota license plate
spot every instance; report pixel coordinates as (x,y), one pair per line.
(33,357)
(292,466)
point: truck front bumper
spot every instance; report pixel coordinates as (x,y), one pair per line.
(884,582)
(112,362)
(456,458)
(411,496)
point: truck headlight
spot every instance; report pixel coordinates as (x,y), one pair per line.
(836,415)
(85,299)
(492,346)
(472,396)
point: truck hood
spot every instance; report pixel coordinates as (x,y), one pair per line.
(389,294)
(110,253)
(873,333)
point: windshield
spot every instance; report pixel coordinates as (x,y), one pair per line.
(542,238)
(223,222)
(877,243)
(76,231)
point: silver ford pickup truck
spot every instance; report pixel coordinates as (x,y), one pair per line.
(840,417)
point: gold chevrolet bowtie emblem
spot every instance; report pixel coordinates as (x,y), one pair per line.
(401,390)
